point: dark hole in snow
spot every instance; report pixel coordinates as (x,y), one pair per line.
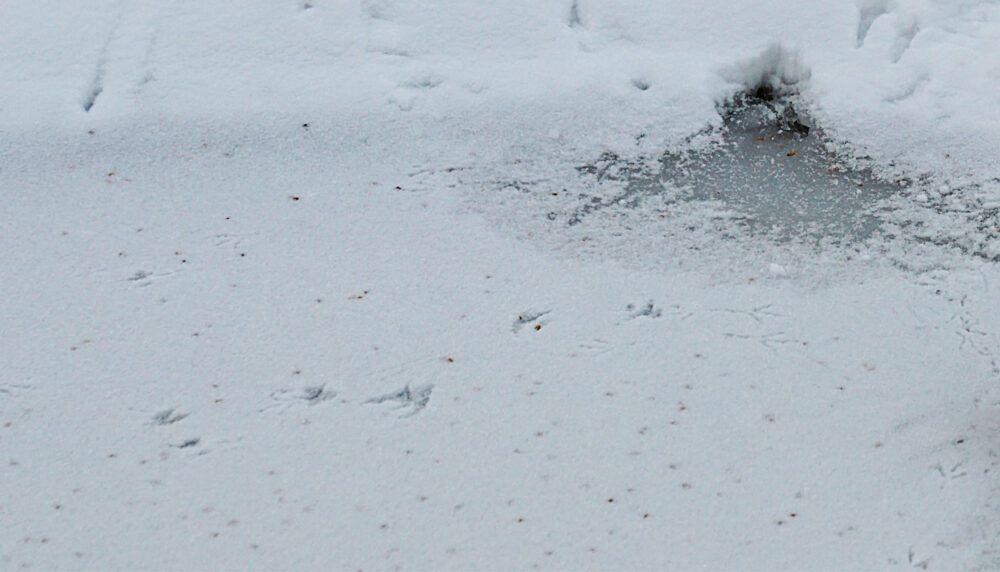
(763,92)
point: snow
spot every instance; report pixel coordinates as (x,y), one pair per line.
(281,289)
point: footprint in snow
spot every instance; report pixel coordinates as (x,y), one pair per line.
(167,417)
(415,398)
(139,276)
(526,318)
(309,395)
(648,310)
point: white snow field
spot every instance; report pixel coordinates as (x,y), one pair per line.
(390,285)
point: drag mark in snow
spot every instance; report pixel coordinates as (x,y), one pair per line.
(415,398)
(96,86)
(574,15)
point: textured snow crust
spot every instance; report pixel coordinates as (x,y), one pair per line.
(296,286)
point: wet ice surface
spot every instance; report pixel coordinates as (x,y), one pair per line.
(769,165)
(773,167)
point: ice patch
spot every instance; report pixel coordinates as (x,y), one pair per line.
(773,167)
(768,166)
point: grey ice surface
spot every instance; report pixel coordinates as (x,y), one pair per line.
(768,166)
(773,168)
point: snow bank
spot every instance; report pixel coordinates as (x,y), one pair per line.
(777,69)
(903,81)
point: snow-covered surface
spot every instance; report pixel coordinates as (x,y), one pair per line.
(281,289)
